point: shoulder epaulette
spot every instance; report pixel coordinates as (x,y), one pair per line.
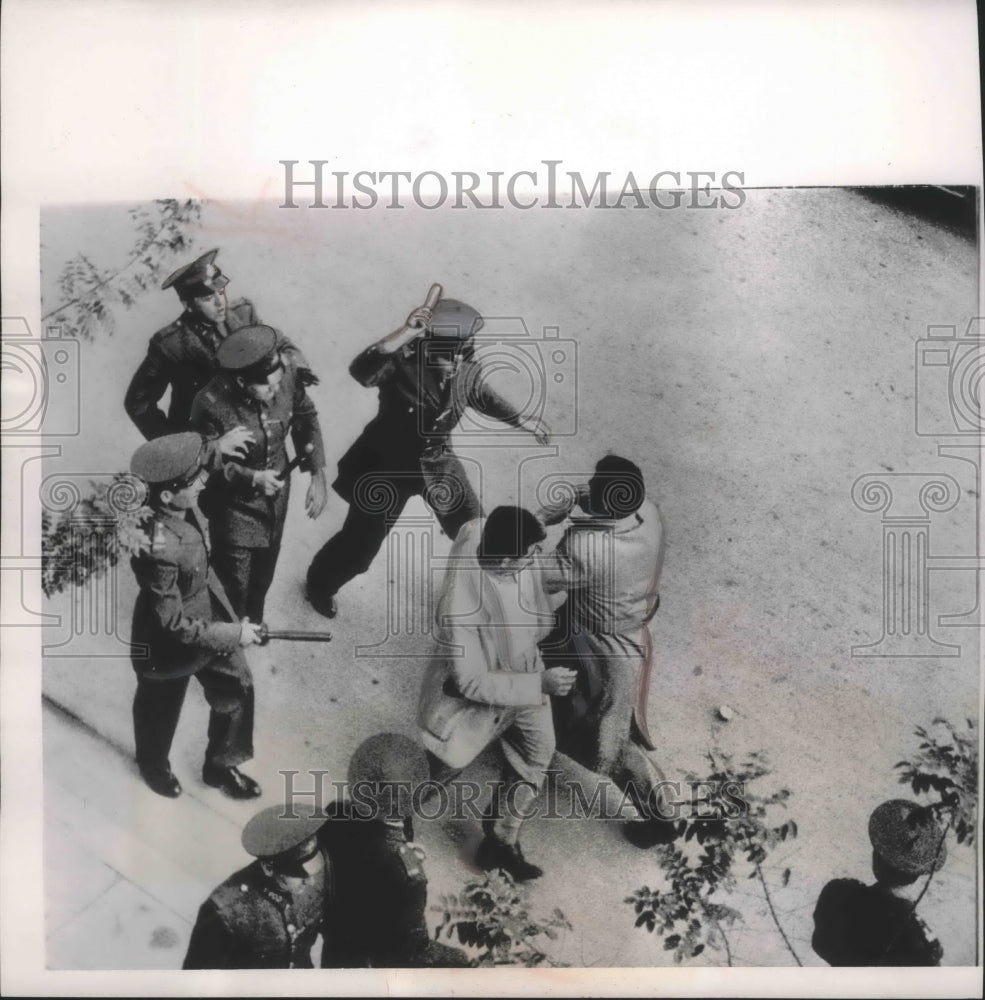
(159,538)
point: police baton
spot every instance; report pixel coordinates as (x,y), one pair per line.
(292,635)
(434,294)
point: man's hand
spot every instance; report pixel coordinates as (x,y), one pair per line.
(249,633)
(317,496)
(557,680)
(233,443)
(419,318)
(267,481)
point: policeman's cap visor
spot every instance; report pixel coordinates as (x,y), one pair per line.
(173,461)
(298,862)
(199,278)
(203,288)
(186,480)
(262,370)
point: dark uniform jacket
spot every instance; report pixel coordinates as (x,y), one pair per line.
(248,924)
(867,925)
(418,411)
(381,895)
(182,618)
(182,356)
(239,513)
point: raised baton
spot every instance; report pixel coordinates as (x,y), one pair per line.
(434,294)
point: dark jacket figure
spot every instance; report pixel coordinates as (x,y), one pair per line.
(246,522)
(381,885)
(857,924)
(269,914)
(383,890)
(183,624)
(182,355)
(182,617)
(877,925)
(424,386)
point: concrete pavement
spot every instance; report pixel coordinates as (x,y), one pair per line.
(755,362)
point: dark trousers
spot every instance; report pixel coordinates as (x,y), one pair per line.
(246,575)
(228,687)
(352,549)
(593,723)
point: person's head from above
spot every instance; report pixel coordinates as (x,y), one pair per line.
(616,489)
(201,287)
(173,467)
(285,840)
(511,540)
(251,357)
(907,842)
(384,772)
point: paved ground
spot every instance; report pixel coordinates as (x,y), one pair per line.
(755,363)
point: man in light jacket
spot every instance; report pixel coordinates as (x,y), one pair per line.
(487,681)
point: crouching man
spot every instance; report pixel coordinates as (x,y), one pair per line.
(609,562)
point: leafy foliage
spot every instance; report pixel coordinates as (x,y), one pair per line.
(83,541)
(491,916)
(726,832)
(946,762)
(90,292)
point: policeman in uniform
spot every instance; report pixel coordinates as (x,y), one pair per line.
(382,887)
(270,914)
(183,624)
(426,375)
(877,925)
(259,389)
(182,355)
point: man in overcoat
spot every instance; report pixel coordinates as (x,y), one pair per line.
(258,388)
(609,563)
(426,375)
(486,680)
(184,626)
(181,356)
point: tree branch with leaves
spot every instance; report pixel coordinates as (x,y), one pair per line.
(89,292)
(723,831)
(491,916)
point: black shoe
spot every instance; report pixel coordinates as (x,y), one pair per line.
(493,853)
(647,833)
(324,605)
(161,780)
(231,781)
